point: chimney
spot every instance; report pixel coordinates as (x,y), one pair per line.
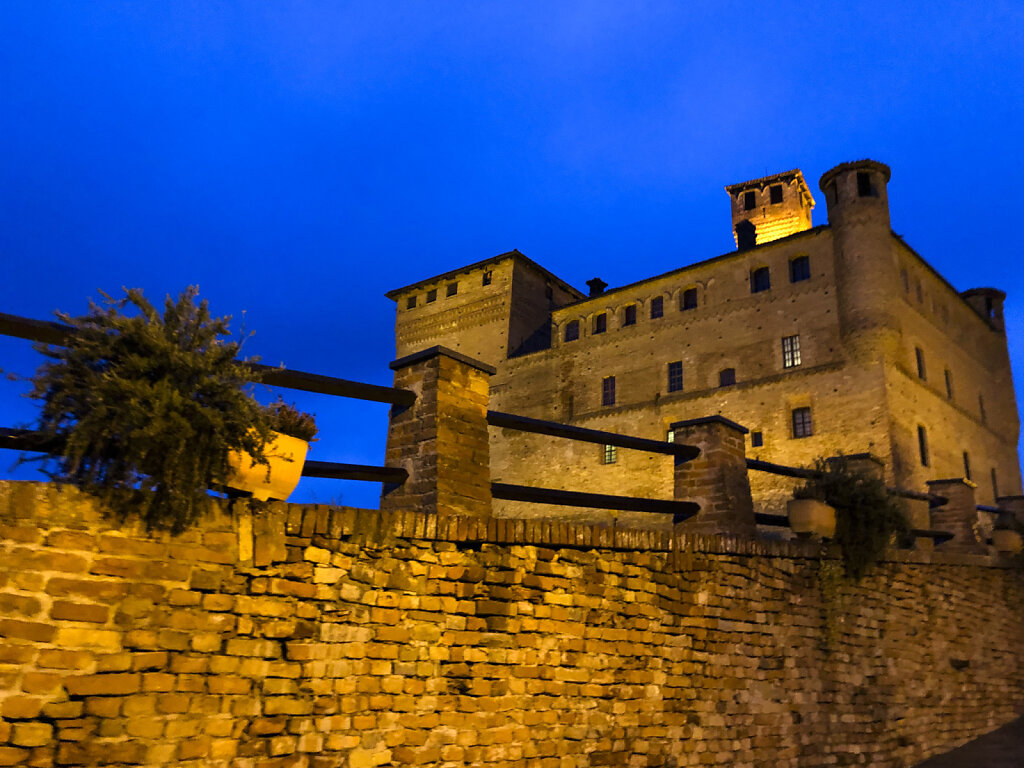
(596,286)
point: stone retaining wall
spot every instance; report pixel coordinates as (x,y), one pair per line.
(315,636)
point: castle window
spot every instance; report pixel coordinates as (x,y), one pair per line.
(657,307)
(802,426)
(610,454)
(790,351)
(749,201)
(675,376)
(756,439)
(487,277)
(689,299)
(949,385)
(906,280)
(727,377)
(995,484)
(572,330)
(670,436)
(746,235)
(922,445)
(920,293)
(410,303)
(453,288)
(799,269)
(919,355)
(967,466)
(760,280)
(981,408)
(864,186)
(629,315)
(549,292)
(608,391)
(600,323)
(775,190)
(431,295)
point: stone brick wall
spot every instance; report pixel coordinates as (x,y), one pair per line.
(315,636)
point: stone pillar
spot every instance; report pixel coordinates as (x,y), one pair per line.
(441,440)
(959,515)
(716,479)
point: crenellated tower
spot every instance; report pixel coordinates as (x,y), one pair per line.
(770,208)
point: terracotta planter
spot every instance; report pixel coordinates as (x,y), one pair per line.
(810,517)
(1007,540)
(286,454)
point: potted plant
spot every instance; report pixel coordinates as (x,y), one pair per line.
(868,515)
(808,513)
(148,407)
(291,433)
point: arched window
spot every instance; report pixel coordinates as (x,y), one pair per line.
(572,330)
(760,280)
(727,377)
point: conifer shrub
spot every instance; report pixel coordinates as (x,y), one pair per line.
(146,407)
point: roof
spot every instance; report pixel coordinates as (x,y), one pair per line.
(513,254)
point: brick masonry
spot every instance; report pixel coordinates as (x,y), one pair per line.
(316,636)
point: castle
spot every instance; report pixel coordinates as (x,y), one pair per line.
(819,340)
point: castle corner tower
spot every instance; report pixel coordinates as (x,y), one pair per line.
(770,208)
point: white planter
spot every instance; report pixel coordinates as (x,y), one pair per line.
(810,517)
(286,454)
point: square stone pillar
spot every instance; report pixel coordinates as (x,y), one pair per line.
(717,478)
(441,440)
(959,515)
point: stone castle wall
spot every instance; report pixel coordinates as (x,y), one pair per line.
(314,636)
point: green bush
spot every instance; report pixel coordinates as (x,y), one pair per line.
(147,407)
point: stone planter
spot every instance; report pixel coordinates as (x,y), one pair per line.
(1007,540)
(810,517)
(286,454)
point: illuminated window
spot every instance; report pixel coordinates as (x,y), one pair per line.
(727,377)
(610,455)
(431,295)
(922,445)
(600,323)
(802,426)
(749,201)
(453,288)
(629,315)
(790,351)
(572,330)
(689,299)
(670,436)
(487,277)
(608,390)
(410,303)
(919,355)
(657,307)
(967,466)
(775,190)
(799,269)
(760,280)
(675,376)
(949,385)
(756,439)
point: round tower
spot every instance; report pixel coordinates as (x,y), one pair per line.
(867,272)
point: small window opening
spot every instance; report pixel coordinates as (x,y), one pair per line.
(600,323)
(967,466)
(487,277)
(608,390)
(410,303)
(906,280)
(760,280)
(549,292)
(749,201)
(864,186)
(629,315)
(453,288)
(675,376)
(657,307)
(670,436)
(800,269)
(981,408)
(756,439)
(995,484)
(727,377)
(746,235)
(802,426)
(572,330)
(775,190)
(689,299)
(610,455)
(431,295)
(922,374)
(949,384)
(790,351)
(990,310)
(922,445)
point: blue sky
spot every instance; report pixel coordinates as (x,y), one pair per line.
(297,160)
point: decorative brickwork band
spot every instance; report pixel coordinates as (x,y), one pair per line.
(442,439)
(717,479)
(959,515)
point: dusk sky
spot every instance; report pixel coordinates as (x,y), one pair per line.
(297,160)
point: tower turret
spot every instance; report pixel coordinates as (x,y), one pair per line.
(770,208)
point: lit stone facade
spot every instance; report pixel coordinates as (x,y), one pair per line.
(839,339)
